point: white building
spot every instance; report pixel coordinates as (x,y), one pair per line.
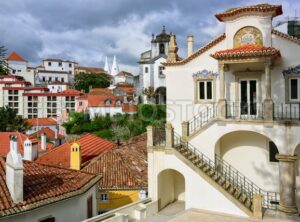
(55,70)
(19,66)
(234,105)
(39,192)
(152,70)
(34,102)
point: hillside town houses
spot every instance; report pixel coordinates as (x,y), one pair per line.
(229,147)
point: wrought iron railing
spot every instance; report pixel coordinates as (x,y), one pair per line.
(230,174)
(242,110)
(289,111)
(202,118)
(159,137)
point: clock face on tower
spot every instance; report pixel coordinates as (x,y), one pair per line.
(248,36)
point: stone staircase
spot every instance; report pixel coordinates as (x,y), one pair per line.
(226,177)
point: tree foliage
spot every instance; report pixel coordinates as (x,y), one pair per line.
(118,127)
(85,81)
(3,64)
(10,121)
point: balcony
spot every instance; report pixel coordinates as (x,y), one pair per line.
(242,111)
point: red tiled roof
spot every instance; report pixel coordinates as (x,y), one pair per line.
(198,52)
(90,69)
(246,52)
(275,10)
(127,89)
(124,167)
(5,142)
(71,91)
(100,91)
(99,100)
(43,184)
(15,57)
(90,144)
(129,108)
(42,121)
(50,134)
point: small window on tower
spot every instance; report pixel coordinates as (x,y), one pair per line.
(146,69)
(162,48)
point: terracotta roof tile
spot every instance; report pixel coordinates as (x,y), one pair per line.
(91,146)
(275,10)
(50,134)
(43,184)
(90,69)
(15,57)
(124,167)
(246,52)
(42,121)
(286,36)
(198,52)
(5,142)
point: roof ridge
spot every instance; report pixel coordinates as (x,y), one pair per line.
(198,52)
(286,36)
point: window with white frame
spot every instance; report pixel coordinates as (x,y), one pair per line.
(205,90)
(294,89)
(104,197)
(161,71)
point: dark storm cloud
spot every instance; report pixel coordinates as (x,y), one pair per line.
(87,30)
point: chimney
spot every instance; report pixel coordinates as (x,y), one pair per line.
(14,171)
(30,150)
(43,142)
(75,160)
(190,42)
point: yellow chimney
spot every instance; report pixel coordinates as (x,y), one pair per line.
(75,161)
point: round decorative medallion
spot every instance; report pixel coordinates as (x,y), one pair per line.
(248,36)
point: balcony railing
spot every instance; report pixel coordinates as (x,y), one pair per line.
(159,137)
(289,111)
(241,110)
(202,118)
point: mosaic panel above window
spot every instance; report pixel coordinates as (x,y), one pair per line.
(248,36)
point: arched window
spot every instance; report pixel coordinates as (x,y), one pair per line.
(248,35)
(107,102)
(161,48)
(272,152)
(118,102)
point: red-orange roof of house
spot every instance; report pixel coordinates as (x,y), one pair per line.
(246,51)
(42,121)
(91,146)
(5,142)
(15,57)
(123,167)
(275,10)
(43,185)
(50,134)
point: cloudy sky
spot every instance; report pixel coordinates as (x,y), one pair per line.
(88,30)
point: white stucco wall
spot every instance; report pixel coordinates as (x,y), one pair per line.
(102,111)
(198,192)
(74,209)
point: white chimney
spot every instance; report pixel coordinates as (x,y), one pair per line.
(190,42)
(14,171)
(30,150)
(43,142)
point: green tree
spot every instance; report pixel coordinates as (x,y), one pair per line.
(85,81)
(10,121)
(3,64)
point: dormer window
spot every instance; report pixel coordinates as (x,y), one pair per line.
(118,102)
(107,102)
